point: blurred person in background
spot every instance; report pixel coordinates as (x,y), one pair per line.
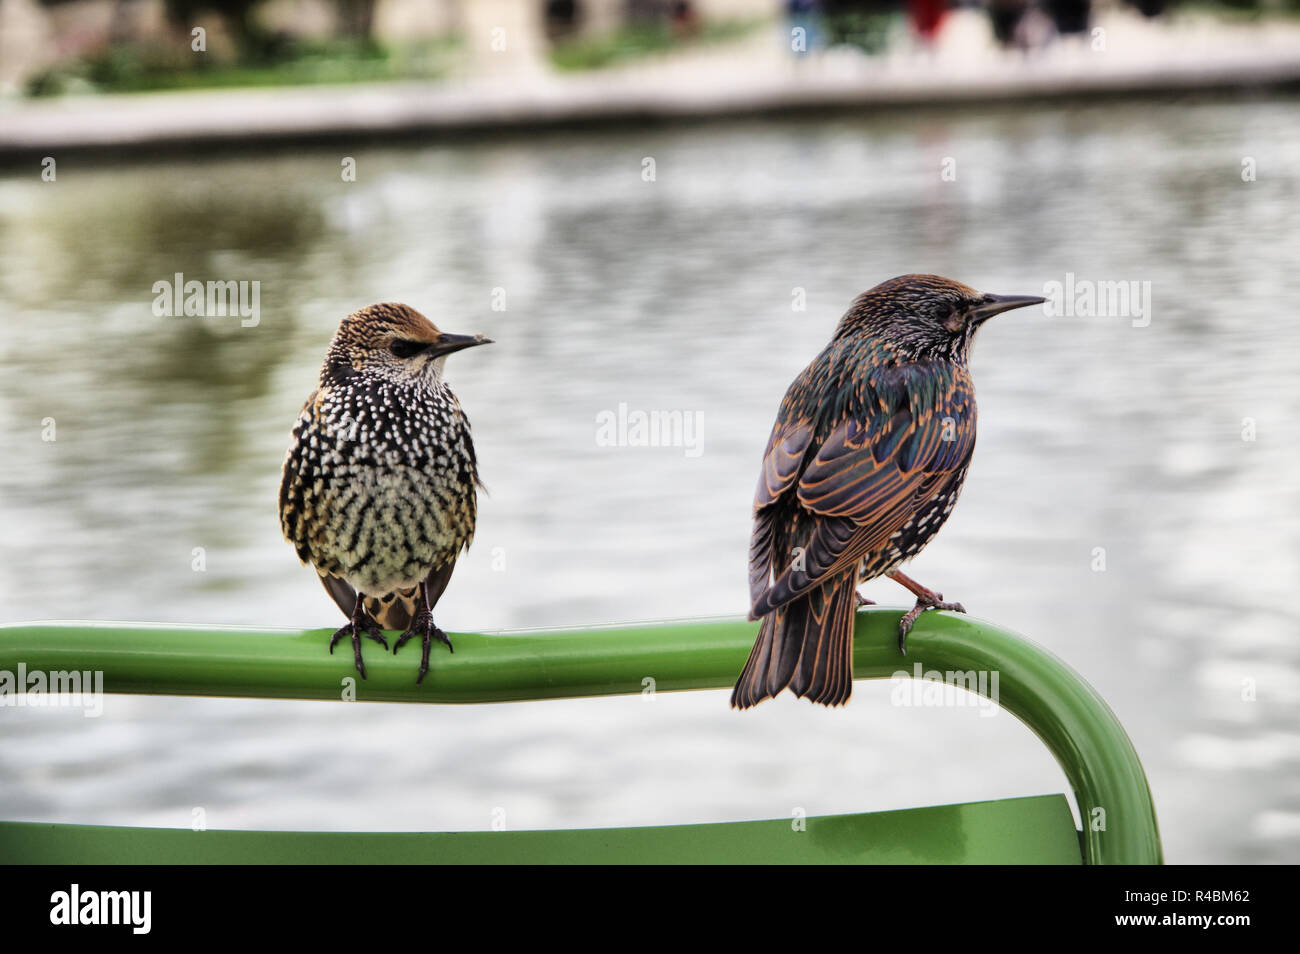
(683,18)
(1149,8)
(927,17)
(1005,16)
(1070,17)
(1029,25)
(804,15)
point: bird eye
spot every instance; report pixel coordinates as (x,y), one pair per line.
(406,349)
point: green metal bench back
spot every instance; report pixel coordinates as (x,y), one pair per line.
(1110,788)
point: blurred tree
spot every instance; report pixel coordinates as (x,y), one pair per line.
(122,19)
(562,18)
(238,15)
(356,18)
(861,23)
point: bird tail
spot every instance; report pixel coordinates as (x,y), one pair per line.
(806,646)
(392,610)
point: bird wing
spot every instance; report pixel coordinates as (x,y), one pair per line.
(294,492)
(782,461)
(869,475)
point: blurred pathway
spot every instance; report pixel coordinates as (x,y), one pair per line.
(756,76)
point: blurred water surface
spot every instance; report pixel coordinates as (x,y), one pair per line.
(674,294)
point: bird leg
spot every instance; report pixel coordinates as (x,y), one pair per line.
(361,622)
(423,626)
(925,599)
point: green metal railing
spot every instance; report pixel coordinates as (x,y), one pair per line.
(1110,788)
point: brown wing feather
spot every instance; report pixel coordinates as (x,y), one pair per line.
(786,450)
(865,482)
(782,460)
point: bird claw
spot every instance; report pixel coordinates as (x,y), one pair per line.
(423,626)
(377,634)
(355,629)
(911,616)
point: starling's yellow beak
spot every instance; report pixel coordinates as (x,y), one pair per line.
(446,344)
(997,304)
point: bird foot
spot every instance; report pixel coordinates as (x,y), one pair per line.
(931,600)
(423,627)
(358,626)
(862,601)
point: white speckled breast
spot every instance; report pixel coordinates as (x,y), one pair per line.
(384,480)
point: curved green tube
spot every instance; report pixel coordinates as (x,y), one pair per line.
(1056,703)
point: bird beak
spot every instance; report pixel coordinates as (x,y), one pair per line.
(997,304)
(446,344)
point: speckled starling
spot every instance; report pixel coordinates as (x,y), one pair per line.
(380,486)
(866,459)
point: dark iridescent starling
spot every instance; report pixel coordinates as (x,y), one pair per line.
(866,459)
(380,486)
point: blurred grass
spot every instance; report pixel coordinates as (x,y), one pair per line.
(589,53)
(868,31)
(144,67)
